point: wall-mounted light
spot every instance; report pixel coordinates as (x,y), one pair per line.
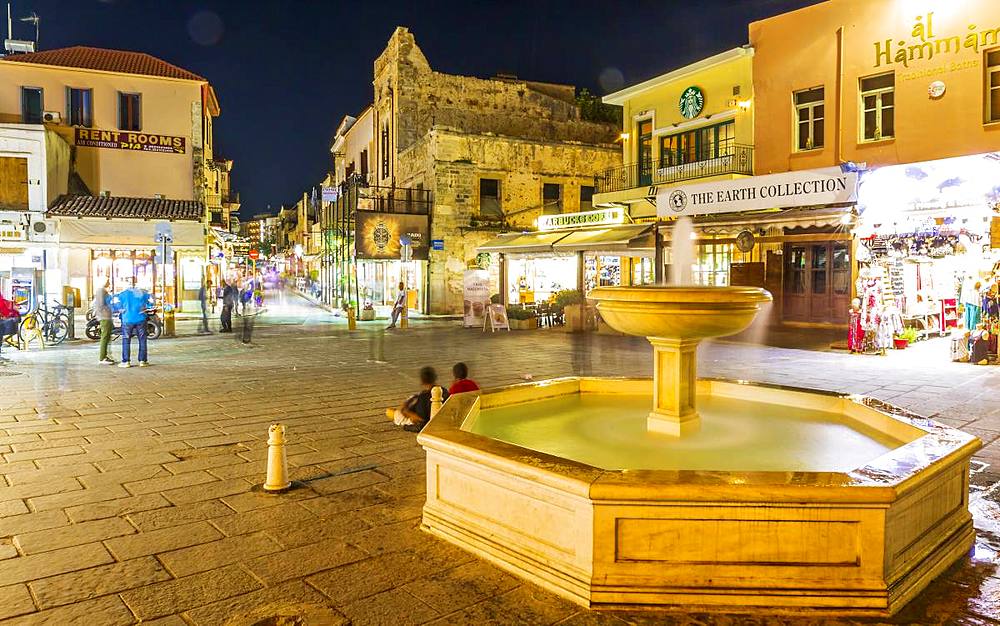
(623,136)
(744,105)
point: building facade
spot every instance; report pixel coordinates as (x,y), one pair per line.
(138,132)
(481,156)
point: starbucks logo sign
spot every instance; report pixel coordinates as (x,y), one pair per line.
(692,102)
(678,201)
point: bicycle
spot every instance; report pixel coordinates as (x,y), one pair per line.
(53,325)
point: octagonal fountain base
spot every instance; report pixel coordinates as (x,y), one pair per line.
(862,540)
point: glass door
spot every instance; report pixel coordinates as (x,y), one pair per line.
(644,154)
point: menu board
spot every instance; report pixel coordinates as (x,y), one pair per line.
(475,296)
(496,318)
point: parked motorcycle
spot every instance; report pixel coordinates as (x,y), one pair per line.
(154,326)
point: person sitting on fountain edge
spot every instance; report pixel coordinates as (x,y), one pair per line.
(462,382)
(414,414)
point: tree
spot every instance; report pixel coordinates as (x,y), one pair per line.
(593,110)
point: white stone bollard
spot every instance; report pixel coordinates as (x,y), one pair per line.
(277,461)
(435,400)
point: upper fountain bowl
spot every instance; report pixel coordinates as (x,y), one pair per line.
(689,312)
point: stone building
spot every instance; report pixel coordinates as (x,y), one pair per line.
(494,155)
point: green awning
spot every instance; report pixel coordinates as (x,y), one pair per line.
(608,239)
(524,242)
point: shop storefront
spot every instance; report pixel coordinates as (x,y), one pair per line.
(788,233)
(572,251)
(929,245)
(382,262)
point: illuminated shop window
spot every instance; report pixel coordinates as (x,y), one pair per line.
(993,85)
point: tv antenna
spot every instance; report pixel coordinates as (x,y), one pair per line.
(34,19)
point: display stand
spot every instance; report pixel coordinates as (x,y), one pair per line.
(496,318)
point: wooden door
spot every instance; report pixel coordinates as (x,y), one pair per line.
(817,282)
(14,183)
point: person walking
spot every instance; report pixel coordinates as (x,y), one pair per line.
(104,316)
(203,297)
(229,296)
(397,307)
(134,303)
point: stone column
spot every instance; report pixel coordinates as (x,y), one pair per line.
(675,381)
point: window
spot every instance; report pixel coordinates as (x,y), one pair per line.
(364,163)
(551,199)
(129,111)
(809,112)
(711,266)
(80,107)
(702,144)
(993,86)
(878,107)
(489,198)
(385,151)
(31,105)
(586,197)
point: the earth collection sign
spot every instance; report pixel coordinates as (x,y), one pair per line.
(129,140)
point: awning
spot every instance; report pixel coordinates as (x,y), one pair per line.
(609,239)
(523,242)
(126,234)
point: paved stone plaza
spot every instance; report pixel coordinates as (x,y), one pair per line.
(127,494)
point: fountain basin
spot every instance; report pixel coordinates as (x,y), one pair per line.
(862,540)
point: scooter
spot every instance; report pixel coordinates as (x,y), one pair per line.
(154,326)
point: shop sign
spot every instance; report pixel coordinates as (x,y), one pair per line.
(692,102)
(601,217)
(378,235)
(330,194)
(437,244)
(11,232)
(476,296)
(925,44)
(775,191)
(129,140)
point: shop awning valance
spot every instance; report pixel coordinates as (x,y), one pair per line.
(523,242)
(126,233)
(609,239)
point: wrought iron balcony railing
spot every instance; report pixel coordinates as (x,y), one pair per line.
(737,160)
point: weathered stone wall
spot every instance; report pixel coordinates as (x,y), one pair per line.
(450,163)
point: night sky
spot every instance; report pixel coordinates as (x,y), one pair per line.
(286,72)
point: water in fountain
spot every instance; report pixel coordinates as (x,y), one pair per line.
(682,251)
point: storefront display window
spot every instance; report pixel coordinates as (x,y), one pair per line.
(537,279)
(712,264)
(643,271)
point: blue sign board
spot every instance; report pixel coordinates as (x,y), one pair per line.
(437,244)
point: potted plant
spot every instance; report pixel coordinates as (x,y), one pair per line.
(573,305)
(521,318)
(905,338)
(368,312)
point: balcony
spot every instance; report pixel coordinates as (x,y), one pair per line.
(738,160)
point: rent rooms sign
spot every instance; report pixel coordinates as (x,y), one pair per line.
(129,140)
(774,191)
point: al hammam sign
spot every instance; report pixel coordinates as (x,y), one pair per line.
(129,140)
(925,45)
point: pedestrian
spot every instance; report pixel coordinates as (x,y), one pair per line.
(10,318)
(397,307)
(229,296)
(206,287)
(415,412)
(134,303)
(105,318)
(462,382)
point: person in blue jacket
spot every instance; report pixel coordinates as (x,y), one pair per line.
(133,303)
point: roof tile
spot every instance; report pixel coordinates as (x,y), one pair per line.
(125,62)
(129,208)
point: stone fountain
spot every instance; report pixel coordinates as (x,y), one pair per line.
(726,496)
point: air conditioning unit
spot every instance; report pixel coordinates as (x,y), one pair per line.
(43,231)
(51,117)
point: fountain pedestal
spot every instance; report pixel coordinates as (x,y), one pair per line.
(675,377)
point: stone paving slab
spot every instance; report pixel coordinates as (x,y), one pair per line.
(126,495)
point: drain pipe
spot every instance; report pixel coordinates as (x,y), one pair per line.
(277,460)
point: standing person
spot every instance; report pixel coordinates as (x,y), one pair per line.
(134,303)
(397,307)
(206,287)
(228,302)
(462,381)
(104,316)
